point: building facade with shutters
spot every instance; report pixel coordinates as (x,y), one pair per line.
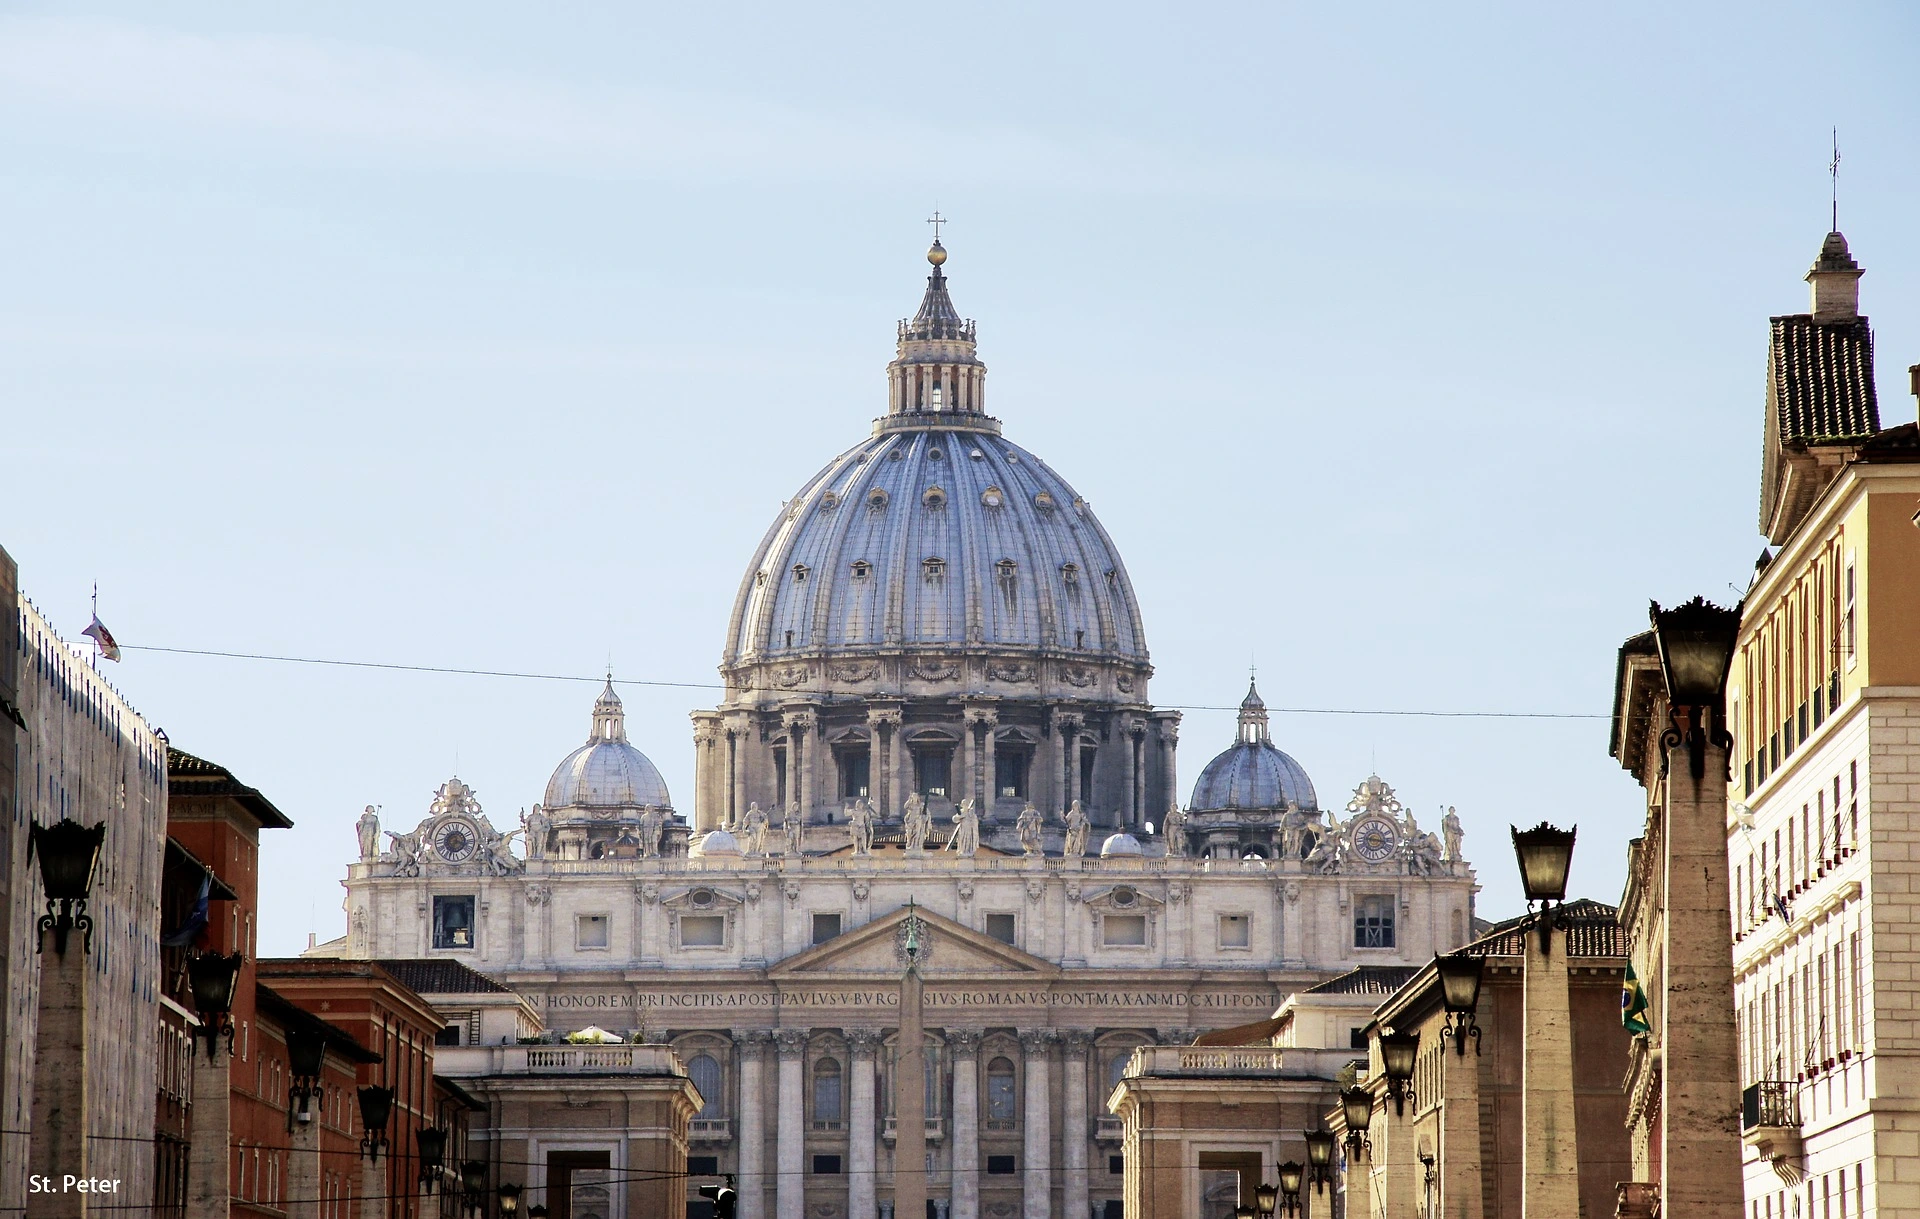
(1825,703)
(936,700)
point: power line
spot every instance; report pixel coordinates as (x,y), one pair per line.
(818,692)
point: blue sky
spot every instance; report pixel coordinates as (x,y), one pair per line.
(1407,351)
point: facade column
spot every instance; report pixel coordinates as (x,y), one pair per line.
(883,723)
(862,1044)
(873,766)
(791,1139)
(969,785)
(57,1140)
(1700,1079)
(1074,1134)
(964,1045)
(752,1189)
(1169,743)
(1036,1127)
(1137,771)
(1460,1169)
(703,785)
(303,1165)
(1549,1168)
(209,1156)
(737,740)
(992,772)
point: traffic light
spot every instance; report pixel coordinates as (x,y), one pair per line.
(723,1198)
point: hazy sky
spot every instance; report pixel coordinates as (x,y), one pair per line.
(1409,352)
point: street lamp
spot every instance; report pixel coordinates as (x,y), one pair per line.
(306,1053)
(1290,1174)
(433,1154)
(1265,1198)
(1696,642)
(1320,1158)
(1357,1106)
(376,1106)
(68,852)
(537,1211)
(1397,1053)
(473,1184)
(509,1199)
(1460,992)
(1545,854)
(211,978)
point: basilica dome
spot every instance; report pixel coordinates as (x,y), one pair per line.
(935,533)
(1253,772)
(607,771)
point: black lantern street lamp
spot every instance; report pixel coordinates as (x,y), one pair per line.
(1696,642)
(537,1211)
(376,1106)
(1397,1053)
(1357,1107)
(68,852)
(1243,1212)
(211,978)
(1320,1158)
(1545,854)
(1265,1198)
(509,1199)
(473,1184)
(306,1054)
(1290,1174)
(1460,993)
(432,1141)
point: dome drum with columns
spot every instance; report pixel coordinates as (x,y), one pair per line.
(937,612)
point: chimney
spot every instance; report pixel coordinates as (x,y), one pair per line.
(1836,282)
(1913,380)
(312,939)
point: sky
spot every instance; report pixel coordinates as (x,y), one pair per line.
(1405,352)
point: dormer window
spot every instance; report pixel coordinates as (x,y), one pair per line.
(934,568)
(799,573)
(1007,569)
(829,501)
(861,569)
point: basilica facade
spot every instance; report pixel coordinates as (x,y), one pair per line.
(936,711)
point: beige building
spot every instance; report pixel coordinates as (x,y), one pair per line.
(1825,700)
(936,695)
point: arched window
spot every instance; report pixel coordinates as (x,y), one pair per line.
(705,1074)
(1117,1068)
(826,1090)
(1000,1099)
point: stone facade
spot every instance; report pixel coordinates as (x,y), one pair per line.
(80,751)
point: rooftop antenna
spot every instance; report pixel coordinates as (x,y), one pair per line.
(1833,172)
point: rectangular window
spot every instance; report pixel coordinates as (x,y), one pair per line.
(1123,930)
(1000,1166)
(1235,931)
(826,1166)
(1373,922)
(1000,1103)
(825,927)
(448,1036)
(1116,1165)
(1010,773)
(1002,927)
(853,773)
(453,922)
(1855,1018)
(590,931)
(1357,1037)
(703,1166)
(932,769)
(703,931)
(779,779)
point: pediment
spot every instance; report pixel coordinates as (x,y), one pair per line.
(876,949)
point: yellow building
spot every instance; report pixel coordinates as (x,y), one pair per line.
(1823,828)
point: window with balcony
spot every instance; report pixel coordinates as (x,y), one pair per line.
(704,1071)
(1000,1097)
(826,1092)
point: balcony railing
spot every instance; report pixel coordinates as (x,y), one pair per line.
(1109,1129)
(1771,1103)
(1206,1060)
(710,1130)
(461,1062)
(936,1129)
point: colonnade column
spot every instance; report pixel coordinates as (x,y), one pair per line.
(791,1139)
(752,1190)
(886,721)
(991,720)
(703,785)
(969,781)
(1169,742)
(1036,1126)
(862,1043)
(964,1045)
(1070,726)
(1073,1128)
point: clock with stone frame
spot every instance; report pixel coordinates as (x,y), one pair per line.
(1374,839)
(455,840)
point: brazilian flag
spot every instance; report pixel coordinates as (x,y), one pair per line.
(1633,1004)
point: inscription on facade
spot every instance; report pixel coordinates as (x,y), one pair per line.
(813,999)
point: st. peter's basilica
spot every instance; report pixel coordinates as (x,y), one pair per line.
(937,692)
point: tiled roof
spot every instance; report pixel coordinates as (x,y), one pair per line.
(1592,929)
(191,776)
(431,977)
(1823,379)
(1367,980)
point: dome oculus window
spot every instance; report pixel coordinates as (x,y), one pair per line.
(935,454)
(829,501)
(992,497)
(861,569)
(935,497)
(877,498)
(1043,501)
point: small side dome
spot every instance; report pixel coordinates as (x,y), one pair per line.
(1122,843)
(717,844)
(607,772)
(1253,773)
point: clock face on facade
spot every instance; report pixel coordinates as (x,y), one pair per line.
(455,840)
(1374,839)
